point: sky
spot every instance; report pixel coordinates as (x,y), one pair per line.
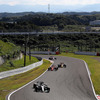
(51,2)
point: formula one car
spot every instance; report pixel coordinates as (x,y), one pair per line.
(53,68)
(41,87)
(61,65)
(52,58)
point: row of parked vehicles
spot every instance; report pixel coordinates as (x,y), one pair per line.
(41,86)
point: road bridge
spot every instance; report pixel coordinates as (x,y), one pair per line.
(37,33)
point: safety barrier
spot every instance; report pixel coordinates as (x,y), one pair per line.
(20,70)
(87,53)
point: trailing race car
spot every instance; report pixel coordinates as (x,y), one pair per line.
(61,65)
(53,68)
(52,58)
(41,87)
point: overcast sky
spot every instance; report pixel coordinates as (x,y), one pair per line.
(45,2)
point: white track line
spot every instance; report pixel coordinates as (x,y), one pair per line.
(27,83)
(89,73)
(90,79)
(45,72)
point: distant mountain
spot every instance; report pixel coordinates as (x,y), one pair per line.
(15,14)
(80,13)
(21,10)
(39,8)
(53,8)
(89,8)
(34,13)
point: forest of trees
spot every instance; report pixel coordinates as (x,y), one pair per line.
(67,42)
(38,21)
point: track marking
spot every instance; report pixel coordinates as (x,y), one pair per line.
(96,96)
(90,79)
(28,83)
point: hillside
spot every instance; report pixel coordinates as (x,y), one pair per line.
(19,14)
(8,50)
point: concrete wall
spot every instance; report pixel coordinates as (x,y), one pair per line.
(20,70)
(87,53)
(43,52)
(19,57)
(1,60)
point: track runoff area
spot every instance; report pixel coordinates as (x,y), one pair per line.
(70,83)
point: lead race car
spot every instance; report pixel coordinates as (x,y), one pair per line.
(41,87)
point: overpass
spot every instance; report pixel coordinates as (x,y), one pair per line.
(25,33)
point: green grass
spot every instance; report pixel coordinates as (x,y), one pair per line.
(17,63)
(93,65)
(7,48)
(9,84)
(73,28)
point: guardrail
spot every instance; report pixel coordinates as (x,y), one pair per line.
(20,70)
(43,52)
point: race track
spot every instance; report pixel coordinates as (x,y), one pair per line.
(70,83)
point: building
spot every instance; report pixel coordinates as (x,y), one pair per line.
(95,22)
(87,28)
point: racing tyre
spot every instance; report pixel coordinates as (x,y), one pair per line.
(47,90)
(59,66)
(34,86)
(49,69)
(64,66)
(56,69)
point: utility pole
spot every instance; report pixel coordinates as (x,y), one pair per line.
(29,49)
(48,8)
(25,46)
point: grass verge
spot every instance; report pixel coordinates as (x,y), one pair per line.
(11,83)
(94,67)
(17,63)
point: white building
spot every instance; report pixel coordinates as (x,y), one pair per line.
(95,22)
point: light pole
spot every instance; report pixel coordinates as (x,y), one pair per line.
(25,46)
(29,48)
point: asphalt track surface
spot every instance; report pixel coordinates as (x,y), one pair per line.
(70,83)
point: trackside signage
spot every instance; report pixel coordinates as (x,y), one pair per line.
(98,96)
